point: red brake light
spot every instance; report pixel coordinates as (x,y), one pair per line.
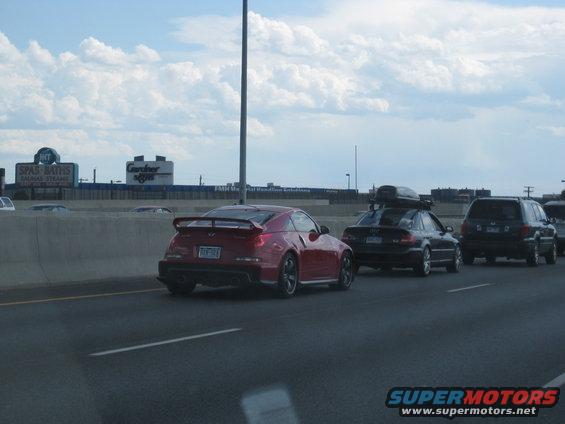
(524,231)
(408,239)
(464,228)
(262,239)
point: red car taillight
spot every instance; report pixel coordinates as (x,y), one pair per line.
(524,231)
(464,228)
(261,240)
(408,240)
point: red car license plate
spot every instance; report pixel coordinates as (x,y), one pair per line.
(209,252)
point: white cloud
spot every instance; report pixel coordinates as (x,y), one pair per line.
(426,75)
(96,51)
(8,52)
(542,100)
(277,36)
(555,131)
(38,54)
(145,54)
(69,143)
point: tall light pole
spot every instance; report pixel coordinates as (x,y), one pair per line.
(2,181)
(356,188)
(348,181)
(243,120)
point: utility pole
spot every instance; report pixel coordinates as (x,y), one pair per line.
(356,188)
(200,181)
(528,190)
(243,118)
(94,176)
(348,181)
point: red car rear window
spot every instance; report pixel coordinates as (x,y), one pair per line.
(258,216)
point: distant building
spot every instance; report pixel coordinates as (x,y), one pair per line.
(454,195)
(483,193)
(444,194)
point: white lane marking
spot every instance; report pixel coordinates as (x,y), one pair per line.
(87,296)
(557,382)
(468,288)
(164,342)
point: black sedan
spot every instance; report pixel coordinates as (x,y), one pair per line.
(403,237)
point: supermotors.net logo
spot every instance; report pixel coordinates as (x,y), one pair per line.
(451,402)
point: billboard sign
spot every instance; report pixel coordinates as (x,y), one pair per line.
(150,173)
(47,171)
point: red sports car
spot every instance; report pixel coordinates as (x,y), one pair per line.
(254,245)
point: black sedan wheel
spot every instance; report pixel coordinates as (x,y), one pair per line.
(551,257)
(468,258)
(424,268)
(346,273)
(456,262)
(533,256)
(288,278)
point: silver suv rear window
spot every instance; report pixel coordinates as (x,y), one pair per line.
(502,210)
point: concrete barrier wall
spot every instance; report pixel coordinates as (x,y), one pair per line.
(43,249)
(314,207)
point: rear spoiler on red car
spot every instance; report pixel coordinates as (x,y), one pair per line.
(253,226)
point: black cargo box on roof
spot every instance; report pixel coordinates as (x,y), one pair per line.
(388,195)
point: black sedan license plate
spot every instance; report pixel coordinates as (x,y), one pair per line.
(209,252)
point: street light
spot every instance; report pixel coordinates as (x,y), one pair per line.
(348,181)
(243,118)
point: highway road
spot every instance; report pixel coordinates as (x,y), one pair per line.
(128,352)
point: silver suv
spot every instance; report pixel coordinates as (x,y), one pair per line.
(555,211)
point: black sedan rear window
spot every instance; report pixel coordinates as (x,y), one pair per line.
(496,209)
(391,217)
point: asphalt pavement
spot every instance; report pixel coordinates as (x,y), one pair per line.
(126,351)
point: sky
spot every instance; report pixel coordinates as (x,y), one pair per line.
(435,93)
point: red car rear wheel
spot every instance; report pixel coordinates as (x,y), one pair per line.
(288,277)
(346,273)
